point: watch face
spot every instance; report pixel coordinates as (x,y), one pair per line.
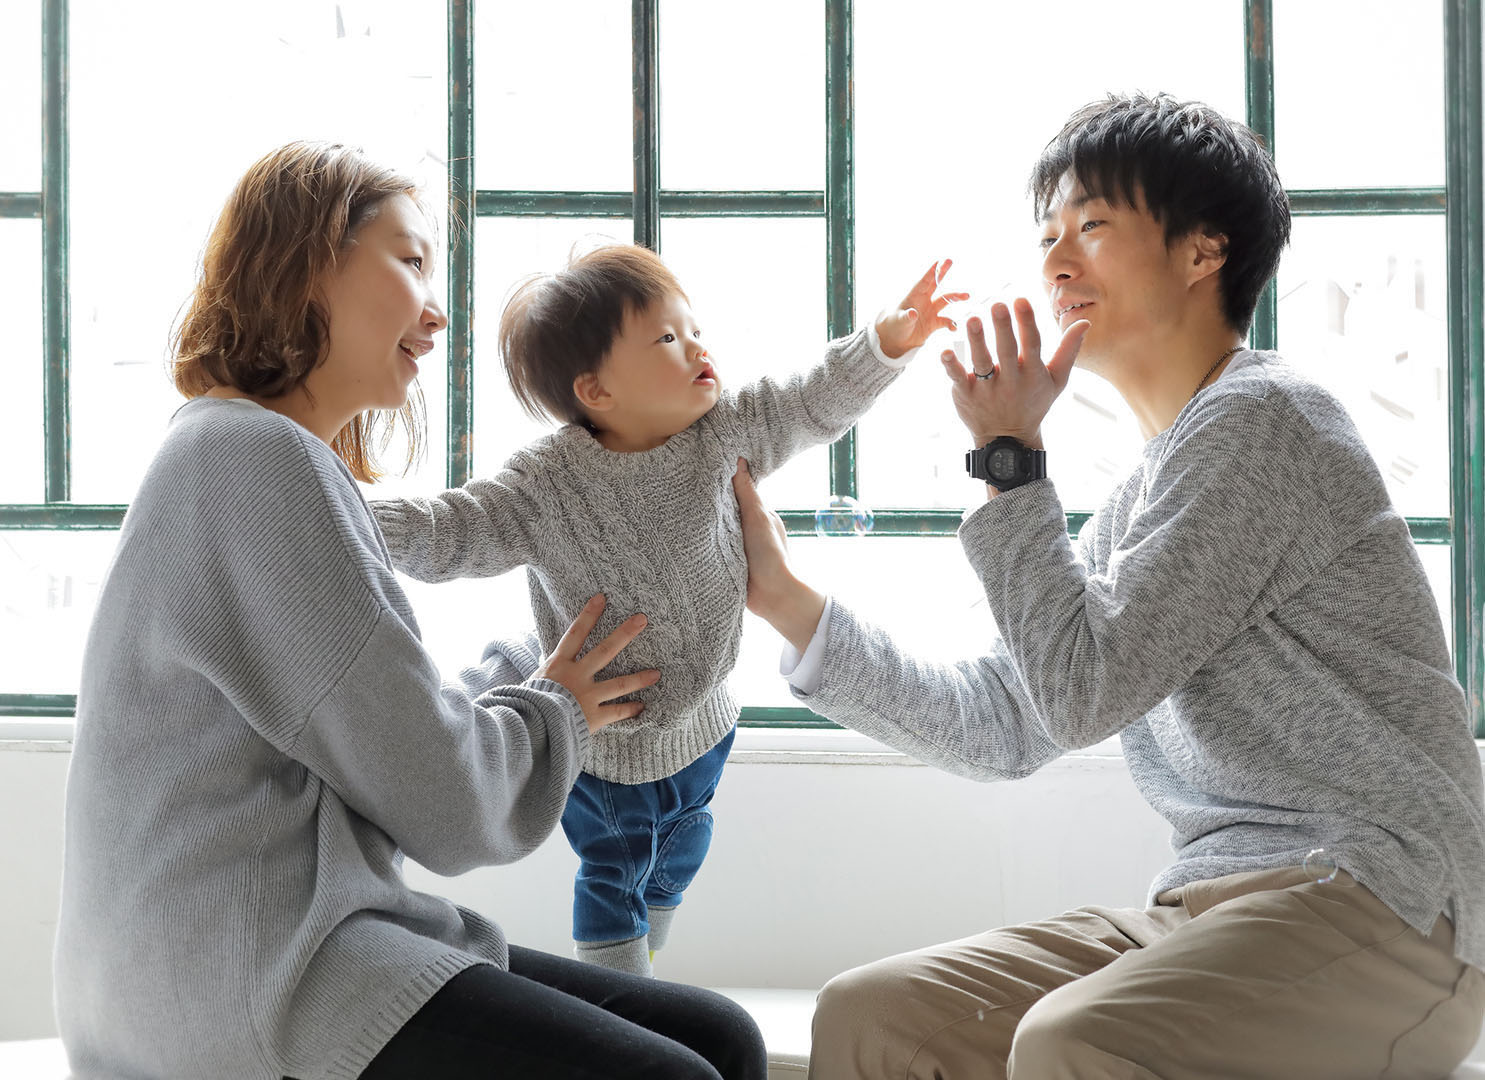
(1002,462)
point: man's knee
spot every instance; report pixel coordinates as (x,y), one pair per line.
(851,1021)
(1056,1038)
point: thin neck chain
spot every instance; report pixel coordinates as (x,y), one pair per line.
(1213,368)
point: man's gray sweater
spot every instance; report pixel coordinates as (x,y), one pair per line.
(656,532)
(1248,613)
(260,735)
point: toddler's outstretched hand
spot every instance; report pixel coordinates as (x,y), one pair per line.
(919,314)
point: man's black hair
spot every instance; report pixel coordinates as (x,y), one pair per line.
(1196,170)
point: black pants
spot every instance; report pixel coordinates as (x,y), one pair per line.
(553,1017)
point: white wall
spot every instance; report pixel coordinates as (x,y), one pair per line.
(824,858)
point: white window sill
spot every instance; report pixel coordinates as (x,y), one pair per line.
(754,746)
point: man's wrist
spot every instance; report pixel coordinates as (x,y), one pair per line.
(796,613)
(1031,440)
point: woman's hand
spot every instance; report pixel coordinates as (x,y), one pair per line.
(919,314)
(576,672)
(1011,397)
(774,594)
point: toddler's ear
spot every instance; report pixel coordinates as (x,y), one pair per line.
(591,394)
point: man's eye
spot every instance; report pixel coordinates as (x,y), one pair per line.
(666,339)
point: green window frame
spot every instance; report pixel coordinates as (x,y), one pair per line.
(1459,201)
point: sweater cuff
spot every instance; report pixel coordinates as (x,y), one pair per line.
(996,533)
(805,672)
(876,347)
(582,738)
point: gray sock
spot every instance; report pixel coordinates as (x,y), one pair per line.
(660,920)
(632,956)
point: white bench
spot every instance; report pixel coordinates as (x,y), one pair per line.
(783,1015)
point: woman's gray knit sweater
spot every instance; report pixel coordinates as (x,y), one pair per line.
(260,736)
(656,532)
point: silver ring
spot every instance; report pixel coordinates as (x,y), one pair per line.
(988,375)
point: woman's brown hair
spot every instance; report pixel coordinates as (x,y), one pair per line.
(255,322)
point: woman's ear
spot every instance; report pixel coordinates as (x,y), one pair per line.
(590,392)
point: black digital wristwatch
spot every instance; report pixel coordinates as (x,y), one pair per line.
(1005,463)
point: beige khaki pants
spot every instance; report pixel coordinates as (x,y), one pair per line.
(1268,975)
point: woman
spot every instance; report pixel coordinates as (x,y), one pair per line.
(261,735)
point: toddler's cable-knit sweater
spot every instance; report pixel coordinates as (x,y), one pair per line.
(656,532)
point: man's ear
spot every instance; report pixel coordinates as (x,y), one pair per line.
(590,392)
(1208,253)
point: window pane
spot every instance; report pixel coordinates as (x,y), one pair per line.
(921,590)
(20,90)
(459,618)
(768,78)
(554,92)
(1366,108)
(1438,565)
(1362,309)
(50,582)
(508,250)
(757,286)
(370,73)
(21,450)
(966,199)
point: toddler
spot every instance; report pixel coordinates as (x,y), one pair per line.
(632,498)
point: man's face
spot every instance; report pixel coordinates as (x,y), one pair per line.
(1110,265)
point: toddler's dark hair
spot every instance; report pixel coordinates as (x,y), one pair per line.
(556,327)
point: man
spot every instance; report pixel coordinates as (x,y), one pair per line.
(1246,611)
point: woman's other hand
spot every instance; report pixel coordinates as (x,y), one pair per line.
(774,593)
(577,672)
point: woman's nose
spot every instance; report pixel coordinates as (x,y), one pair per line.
(433,317)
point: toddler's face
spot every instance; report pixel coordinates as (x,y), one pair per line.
(658,372)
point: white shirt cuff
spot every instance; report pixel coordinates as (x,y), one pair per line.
(805,672)
(876,347)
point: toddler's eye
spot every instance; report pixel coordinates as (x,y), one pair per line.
(666,339)
(1089,224)
(416,261)
(696,334)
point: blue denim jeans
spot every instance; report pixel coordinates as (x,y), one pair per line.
(638,844)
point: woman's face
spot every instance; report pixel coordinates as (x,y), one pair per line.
(382,313)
